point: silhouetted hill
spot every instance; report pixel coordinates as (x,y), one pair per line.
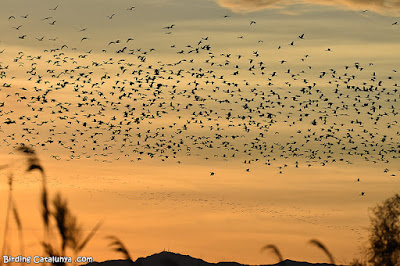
(172,259)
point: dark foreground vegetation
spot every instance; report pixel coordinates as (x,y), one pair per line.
(63,236)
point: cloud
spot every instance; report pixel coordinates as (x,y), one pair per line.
(249,5)
(384,7)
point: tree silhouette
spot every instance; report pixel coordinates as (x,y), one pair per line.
(385,233)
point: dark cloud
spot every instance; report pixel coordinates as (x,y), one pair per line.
(384,7)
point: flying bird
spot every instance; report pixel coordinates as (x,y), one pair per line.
(169,27)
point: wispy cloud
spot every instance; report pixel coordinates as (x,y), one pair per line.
(384,7)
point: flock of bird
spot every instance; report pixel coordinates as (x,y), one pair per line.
(129,102)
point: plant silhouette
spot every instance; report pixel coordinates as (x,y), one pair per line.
(385,233)
(117,245)
(275,250)
(66,227)
(321,246)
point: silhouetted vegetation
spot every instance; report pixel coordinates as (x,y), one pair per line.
(321,246)
(69,232)
(357,262)
(32,164)
(385,233)
(119,247)
(314,242)
(275,250)
(11,209)
(384,240)
(66,228)
(62,227)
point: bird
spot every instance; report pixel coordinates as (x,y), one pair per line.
(204,101)
(169,27)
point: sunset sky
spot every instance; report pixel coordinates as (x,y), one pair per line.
(208,128)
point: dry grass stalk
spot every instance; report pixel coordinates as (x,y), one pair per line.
(118,246)
(70,232)
(275,250)
(321,246)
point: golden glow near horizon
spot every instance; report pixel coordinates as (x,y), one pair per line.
(209,128)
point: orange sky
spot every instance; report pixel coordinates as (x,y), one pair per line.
(216,136)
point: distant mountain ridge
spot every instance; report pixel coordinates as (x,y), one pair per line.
(173,259)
